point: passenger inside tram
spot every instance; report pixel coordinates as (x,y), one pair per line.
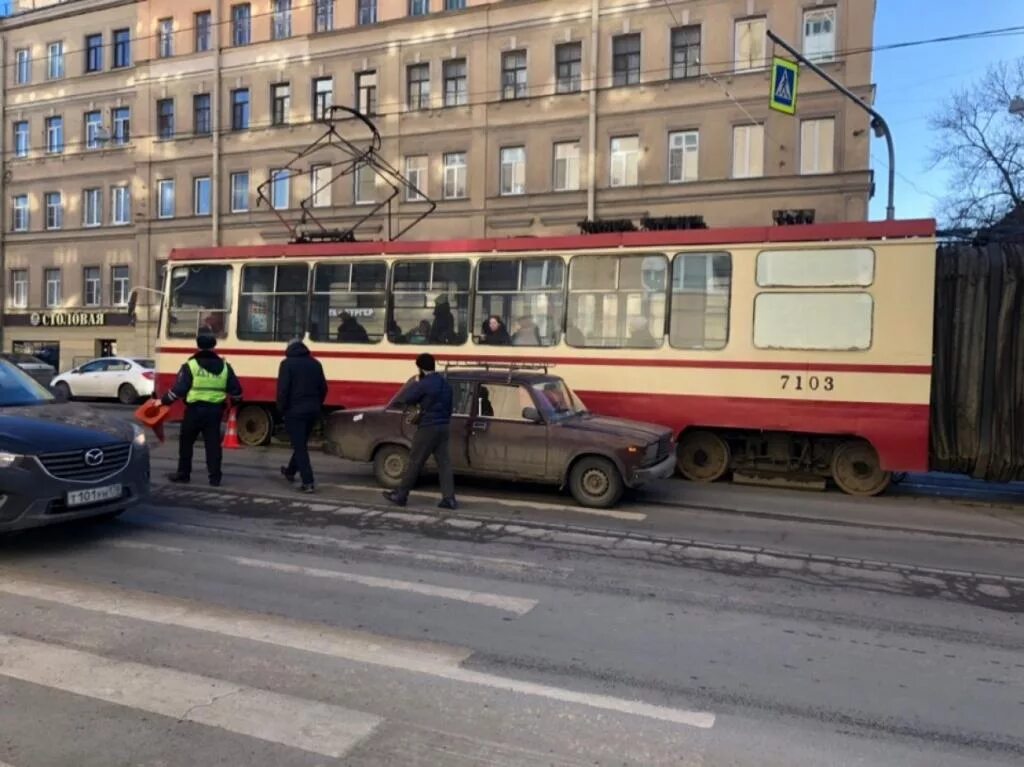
(494,333)
(527,333)
(350,331)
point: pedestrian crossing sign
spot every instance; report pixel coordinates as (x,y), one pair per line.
(785,75)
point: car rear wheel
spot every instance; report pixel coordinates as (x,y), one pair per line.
(63,391)
(389,465)
(127,394)
(596,483)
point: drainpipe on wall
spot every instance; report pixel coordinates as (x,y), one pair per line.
(595,47)
(215,170)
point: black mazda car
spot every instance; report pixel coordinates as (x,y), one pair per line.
(61,461)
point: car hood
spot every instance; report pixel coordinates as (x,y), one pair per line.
(635,432)
(58,427)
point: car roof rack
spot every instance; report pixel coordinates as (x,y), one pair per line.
(499,366)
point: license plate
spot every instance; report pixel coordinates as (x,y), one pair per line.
(94,495)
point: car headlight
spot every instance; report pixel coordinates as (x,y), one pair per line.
(139,438)
(7,459)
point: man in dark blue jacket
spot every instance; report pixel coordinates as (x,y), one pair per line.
(301,392)
(433,395)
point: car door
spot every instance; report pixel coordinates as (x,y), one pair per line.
(87,382)
(463,392)
(501,441)
(118,372)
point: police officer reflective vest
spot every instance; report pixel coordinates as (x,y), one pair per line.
(207,387)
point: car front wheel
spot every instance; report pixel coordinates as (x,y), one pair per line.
(596,483)
(389,465)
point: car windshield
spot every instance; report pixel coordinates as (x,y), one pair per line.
(18,388)
(557,400)
(148,364)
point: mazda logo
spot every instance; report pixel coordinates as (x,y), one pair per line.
(93,457)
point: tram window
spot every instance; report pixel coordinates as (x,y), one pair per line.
(429,302)
(200,300)
(617,301)
(814,321)
(701,287)
(349,303)
(525,295)
(816,268)
(274,302)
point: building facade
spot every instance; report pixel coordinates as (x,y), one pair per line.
(131,128)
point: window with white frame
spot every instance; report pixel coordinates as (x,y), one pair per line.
(416,173)
(751,48)
(282,21)
(625,161)
(54,293)
(202,196)
(683,155)
(324,16)
(747,151)
(120,285)
(19,213)
(513,170)
(323,97)
(456,91)
(280,188)
(92,207)
(92,291)
(19,289)
(817,146)
(454,175)
(54,61)
(566,166)
(21,138)
(240,192)
(165,38)
(165,198)
(122,119)
(120,206)
(320,179)
(365,185)
(93,129)
(55,135)
(54,204)
(23,66)
(820,34)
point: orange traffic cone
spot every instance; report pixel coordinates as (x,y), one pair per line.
(231,433)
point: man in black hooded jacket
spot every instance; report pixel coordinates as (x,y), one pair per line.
(301,392)
(205,382)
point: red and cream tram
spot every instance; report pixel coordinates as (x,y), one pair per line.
(801,350)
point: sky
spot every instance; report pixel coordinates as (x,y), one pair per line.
(913,83)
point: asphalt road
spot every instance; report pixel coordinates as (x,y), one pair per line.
(693,626)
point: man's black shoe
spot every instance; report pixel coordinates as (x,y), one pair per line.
(286,475)
(181,479)
(307,489)
(395,498)
(448,503)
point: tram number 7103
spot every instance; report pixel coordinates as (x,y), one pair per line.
(807,383)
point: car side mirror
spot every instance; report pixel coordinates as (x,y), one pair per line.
(532,414)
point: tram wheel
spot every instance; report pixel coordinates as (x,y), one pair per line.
(255,425)
(703,456)
(857,469)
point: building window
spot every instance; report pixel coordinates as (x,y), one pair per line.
(202,196)
(19,289)
(54,203)
(165,118)
(94,53)
(93,130)
(21,138)
(513,170)
(19,213)
(747,151)
(323,97)
(617,301)
(202,24)
(280,103)
(241,24)
(686,52)
(240,109)
(121,117)
(320,180)
(820,34)
(165,198)
(324,15)
(419,7)
(122,48)
(165,38)
(454,5)
(683,155)
(454,176)
(366,92)
(54,61)
(626,59)
(367,12)
(93,288)
(280,188)
(53,297)
(23,66)
(240,192)
(202,123)
(566,166)
(120,285)
(55,135)
(625,161)
(817,146)
(282,22)
(92,207)
(365,185)
(418,86)
(701,289)
(751,51)
(513,75)
(416,175)
(568,65)
(456,92)
(120,205)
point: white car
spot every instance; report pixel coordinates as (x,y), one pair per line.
(129,380)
